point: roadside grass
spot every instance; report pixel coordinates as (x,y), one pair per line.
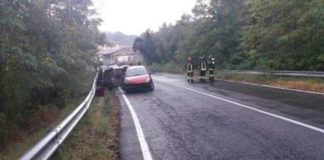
(39,122)
(300,83)
(26,139)
(96,136)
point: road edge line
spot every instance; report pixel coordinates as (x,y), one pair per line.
(257,110)
(140,134)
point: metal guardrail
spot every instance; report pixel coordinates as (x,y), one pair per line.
(49,144)
(314,74)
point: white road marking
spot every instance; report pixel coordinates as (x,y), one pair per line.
(267,86)
(255,109)
(140,134)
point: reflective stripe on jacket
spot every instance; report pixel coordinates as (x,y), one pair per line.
(189,67)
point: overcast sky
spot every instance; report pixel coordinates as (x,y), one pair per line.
(135,16)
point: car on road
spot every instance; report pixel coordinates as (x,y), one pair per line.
(137,78)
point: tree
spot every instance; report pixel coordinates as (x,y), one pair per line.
(46,47)
(146,45)
(245,34)
(280,37)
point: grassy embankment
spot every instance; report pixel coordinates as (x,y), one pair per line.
(39,123)
(300,83)
(47,119)
(96,137)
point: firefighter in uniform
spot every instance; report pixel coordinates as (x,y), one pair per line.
(202,69)
(189,70)
(211,68)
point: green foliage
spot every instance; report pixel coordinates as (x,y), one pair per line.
(169,67)
(286,34)
(243,34)
(46,50)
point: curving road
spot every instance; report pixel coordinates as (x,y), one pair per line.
(223,121)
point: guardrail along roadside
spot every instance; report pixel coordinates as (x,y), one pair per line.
(45,148)
(314,74)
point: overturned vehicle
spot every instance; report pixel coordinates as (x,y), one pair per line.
(110,77)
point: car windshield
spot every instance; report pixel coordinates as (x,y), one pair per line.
(137,71)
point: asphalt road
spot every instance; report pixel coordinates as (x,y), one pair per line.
(202,121)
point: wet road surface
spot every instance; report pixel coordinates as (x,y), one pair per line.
(182,124)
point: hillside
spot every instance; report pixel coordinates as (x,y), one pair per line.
(120,38)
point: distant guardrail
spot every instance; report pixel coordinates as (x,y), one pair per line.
(50,143)
(314,74)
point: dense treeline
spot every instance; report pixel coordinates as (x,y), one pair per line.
(46,53)
(243,34)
